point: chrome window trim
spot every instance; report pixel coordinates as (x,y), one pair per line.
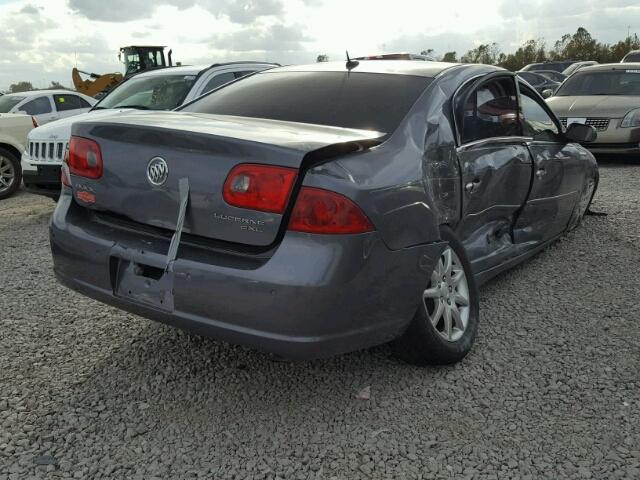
(495,140)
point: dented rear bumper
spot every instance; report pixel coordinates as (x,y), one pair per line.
(313,296)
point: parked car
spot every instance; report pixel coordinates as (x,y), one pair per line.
(577,66)
(313,210)
(558,66)
(631,57)
(606,97)
(13,136)
(398,56)
(46,105)
(552,75)
(162,89)
(539,82)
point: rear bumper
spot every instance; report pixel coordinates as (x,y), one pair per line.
(314,296)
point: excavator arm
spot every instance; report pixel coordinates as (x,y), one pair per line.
(96,83)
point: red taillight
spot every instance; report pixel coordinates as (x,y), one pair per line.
(259,187)
(34,122)
(322,211)
(85,158)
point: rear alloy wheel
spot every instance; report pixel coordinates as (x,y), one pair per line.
(10,173)
(446,300)
(445,325)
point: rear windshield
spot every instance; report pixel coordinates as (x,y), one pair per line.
(618,82)
(532,78)
(157,92)
(368,101)
(7,102)
(632,57)
(555,66)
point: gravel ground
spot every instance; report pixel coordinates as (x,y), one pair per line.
(551,389)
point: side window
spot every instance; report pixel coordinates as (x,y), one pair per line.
(243,73)
(536,122)
(69,102)
(218,80)
(490,111)
(38,106)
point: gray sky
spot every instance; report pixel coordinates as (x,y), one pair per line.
(41,40)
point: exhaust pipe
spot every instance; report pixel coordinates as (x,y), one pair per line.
(169,57)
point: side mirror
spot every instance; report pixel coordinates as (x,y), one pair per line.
(581,133)
(547,93)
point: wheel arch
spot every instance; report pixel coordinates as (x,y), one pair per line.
(11,148)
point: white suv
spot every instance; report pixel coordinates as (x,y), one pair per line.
(13,135)
(162,89)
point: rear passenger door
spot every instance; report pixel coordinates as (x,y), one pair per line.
(68,105)
(495,165)
(558,174)
(40,108)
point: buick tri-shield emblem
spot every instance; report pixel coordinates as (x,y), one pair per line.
(157,171)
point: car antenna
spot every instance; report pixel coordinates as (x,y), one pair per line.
(351,64)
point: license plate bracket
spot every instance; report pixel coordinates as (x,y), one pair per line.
(144,284)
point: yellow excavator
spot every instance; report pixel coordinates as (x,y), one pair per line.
(136,59)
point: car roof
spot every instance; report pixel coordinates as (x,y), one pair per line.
(532,72)
(194,69)
(33,93)
(610,67)
(397,67)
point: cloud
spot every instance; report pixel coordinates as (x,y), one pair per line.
(122,10)
(30,10)
(80,45)
(21,29)
(246,11)
(275,38)
(237,11)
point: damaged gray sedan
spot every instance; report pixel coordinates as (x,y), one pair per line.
(314,210)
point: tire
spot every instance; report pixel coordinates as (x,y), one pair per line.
(426,342)
(584,202)
(10,173)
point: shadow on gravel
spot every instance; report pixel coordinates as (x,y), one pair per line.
(617,160)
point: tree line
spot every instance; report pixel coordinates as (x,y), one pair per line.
(27,87)
(579,46)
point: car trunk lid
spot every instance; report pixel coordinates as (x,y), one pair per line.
(203,149)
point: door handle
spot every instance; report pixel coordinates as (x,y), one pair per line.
(541,172)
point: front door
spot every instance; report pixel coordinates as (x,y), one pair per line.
(496,169)
(558,176)
(68,105)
